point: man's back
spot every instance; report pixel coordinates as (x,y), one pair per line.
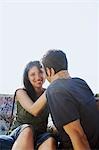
(71,99)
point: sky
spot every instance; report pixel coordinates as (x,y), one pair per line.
(28,28)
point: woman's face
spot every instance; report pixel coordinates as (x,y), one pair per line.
(36,77)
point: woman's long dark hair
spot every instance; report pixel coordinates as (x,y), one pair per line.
(28,86)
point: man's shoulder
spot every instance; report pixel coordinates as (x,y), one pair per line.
(66,84)
(58,85)
(55,84)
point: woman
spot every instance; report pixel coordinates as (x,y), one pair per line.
(27,123)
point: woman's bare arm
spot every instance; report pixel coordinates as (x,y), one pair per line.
(35,108)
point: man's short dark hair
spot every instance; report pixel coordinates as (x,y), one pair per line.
(55,59)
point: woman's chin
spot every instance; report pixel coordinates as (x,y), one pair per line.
(39,86)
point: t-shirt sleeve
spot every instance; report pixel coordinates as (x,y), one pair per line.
(63,108)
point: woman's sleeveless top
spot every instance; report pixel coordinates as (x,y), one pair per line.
(39,123)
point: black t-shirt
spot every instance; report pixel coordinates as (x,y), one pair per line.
(72,99)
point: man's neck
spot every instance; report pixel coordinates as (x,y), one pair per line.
(61,75)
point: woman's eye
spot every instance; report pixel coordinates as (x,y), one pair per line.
(33,74)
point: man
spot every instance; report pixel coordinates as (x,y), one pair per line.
(72,104)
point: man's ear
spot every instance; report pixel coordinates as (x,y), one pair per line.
(48,71)
(52,72)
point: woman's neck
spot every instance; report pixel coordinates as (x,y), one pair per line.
(39,91)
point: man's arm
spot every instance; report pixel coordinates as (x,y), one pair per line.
(77,135)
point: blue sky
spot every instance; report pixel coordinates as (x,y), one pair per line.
(29,28)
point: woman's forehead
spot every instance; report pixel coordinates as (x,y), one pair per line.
(35,68)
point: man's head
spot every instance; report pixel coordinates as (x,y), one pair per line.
(54,60)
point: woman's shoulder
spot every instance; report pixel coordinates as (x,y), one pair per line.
(19,91)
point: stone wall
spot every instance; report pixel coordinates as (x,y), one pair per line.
(6,105)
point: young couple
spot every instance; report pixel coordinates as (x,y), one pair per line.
(70,102)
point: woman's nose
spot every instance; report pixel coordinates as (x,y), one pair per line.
(38,77)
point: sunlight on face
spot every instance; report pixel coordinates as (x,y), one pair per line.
(36,77)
